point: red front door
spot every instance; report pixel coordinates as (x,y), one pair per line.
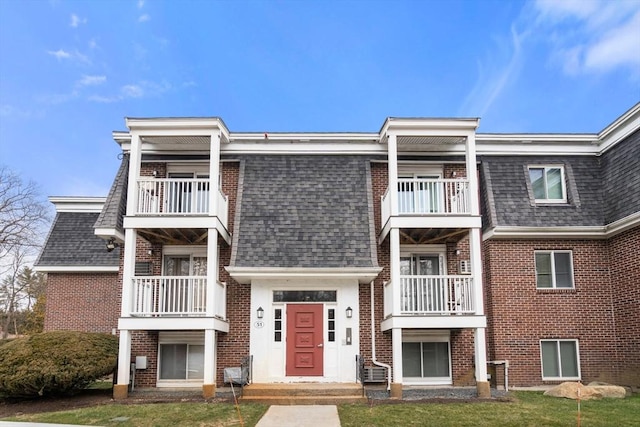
(305,345)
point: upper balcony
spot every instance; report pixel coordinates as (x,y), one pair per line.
(429,203)
(179,197)
(175,302)
(425,301)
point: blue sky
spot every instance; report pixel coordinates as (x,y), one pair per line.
(70,71)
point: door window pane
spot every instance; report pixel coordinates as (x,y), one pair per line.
(411,363)
(173,361)
(435,359)
(195,361)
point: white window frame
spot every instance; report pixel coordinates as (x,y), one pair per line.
(426,337)
(546,168)
(551,254)
(183,338)
(561,377)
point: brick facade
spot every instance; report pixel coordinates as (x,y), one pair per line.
(521,315)
(624,257)
(87,302)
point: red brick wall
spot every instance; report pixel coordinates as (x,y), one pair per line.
(379,181)
(145,343)
(233,346)
(624,256)
(522,315)
(82,302)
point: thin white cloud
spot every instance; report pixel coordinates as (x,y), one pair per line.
(144,18)
(10,111)
(143,89)
(92,44)
(140,4)
(76,20)
(91,80)
(57,98)
(591,35)
(59,54)
(72,56)
(503,65)
(132,91)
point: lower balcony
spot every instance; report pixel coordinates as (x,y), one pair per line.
(176,302)
(430,301)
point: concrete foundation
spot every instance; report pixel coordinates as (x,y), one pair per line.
(208,391)
(120,391)
(484,390)
(396,390)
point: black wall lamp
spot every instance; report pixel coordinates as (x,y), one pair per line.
(260,312)
(349,312)
(112,244)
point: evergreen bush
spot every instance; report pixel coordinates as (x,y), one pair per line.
(55,363)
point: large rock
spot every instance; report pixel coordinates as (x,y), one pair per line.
(608,390)
(570,390)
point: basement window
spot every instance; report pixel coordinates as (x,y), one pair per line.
(560,360)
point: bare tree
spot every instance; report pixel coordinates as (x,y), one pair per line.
(22,217)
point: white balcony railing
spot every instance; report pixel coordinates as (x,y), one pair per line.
(429,197)
(435,295)
(176,296)
(171,196)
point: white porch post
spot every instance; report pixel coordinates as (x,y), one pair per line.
(481,363)
(392,148)
(121,388)
(209,385)
(394,243)
(212,271)
(475,252)
(128,268)
(135,159)
(214,172)
(472,173)
(396,350)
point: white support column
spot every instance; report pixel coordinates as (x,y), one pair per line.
(475,252)
(481,363)
(392,149)
(394,261)
(214,172)
(212,271)
(209,384)
(135,160)
(396,350)
(472,173)
(120,390)
(128,270)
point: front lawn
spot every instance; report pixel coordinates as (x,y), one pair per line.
(525,409)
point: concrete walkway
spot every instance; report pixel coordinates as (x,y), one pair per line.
(30,424)
(300,416)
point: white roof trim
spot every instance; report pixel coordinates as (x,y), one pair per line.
(107,233)
(77,204)
(578,232)
(77,269)
(247,274)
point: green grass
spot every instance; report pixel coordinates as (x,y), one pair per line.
(151,415)
(525,409)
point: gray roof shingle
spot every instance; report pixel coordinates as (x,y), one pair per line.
(304,211)
(506,177)
(115,207)
(621,176)
(71,242)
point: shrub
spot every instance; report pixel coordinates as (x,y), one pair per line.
(55,363)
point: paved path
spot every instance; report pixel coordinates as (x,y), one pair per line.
(30,424)
(300,416)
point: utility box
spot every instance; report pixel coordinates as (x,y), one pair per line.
(141,362)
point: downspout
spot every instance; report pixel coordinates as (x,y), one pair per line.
(373,340)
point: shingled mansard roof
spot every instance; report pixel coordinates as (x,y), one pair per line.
(305,212)
(72,243)
(115,206)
